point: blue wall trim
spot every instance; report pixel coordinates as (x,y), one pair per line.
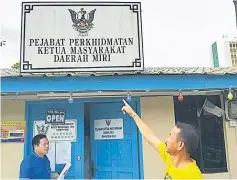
(140,146)
(123,83)
(27,138)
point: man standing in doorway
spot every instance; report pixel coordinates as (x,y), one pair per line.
(37,165)
(175,152)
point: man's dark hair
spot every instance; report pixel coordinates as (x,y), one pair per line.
(37,138)
(189,135)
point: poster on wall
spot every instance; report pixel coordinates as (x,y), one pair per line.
(81,36)
(108,129)
(13,131)
(57,132)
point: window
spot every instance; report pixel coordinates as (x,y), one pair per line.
(211,155)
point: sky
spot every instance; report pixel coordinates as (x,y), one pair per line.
(175,33)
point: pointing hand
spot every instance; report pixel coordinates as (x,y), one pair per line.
(127,108)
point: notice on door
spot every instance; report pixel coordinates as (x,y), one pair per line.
(55,116)
(108,129)
(60,132)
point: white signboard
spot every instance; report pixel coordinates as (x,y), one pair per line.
(108,129)
(81,36)
(63,132)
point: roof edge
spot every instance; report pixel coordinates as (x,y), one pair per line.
(7,72)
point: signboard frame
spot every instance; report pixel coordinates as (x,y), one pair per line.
(136,65)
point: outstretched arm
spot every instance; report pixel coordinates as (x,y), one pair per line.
(147,133)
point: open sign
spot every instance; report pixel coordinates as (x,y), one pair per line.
(55,116)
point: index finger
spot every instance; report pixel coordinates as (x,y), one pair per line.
(125,102)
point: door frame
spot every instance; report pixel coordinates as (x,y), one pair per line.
(29,130)
(83,101)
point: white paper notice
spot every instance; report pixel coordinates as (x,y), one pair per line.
(51,155)
(63,152)
(60,132)
(108,129)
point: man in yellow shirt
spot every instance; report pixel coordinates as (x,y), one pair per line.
(175,152)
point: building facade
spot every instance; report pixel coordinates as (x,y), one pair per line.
(93,101)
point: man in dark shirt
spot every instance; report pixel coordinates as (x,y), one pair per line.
(37,165)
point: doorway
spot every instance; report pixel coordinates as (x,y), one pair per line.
(111,153)
(35,119)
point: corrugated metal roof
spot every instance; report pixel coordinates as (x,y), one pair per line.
(147,71)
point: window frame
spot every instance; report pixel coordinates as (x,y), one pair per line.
(199,100)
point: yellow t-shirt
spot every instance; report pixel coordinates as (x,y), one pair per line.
(189,172)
